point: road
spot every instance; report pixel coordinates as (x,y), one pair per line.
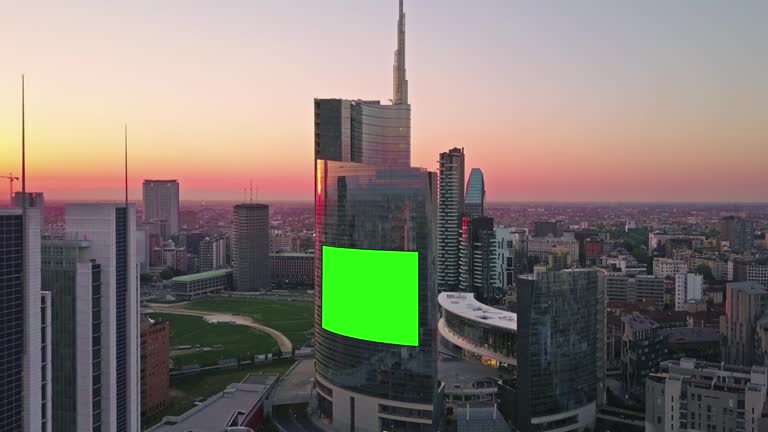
(283,342)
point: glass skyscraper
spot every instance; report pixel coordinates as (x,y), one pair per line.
(561,318)
(367,196)
(474,202)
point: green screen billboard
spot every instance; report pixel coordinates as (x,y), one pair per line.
(371,295)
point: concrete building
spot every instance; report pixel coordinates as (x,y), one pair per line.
(46,368)
(34,200)
(689,288)
(643,347)
(161,204)
(293,269)
(477,260)
(758,272)
(511,255)
(560,351)
(21,377)
(450,208)
(658,240)
(738,233)
(155,365)
(547,229)
(663,267)
(196,285)
(110,230)
(690,395)
(543,247)
(478,332)
(634,288)
(250,247)
(474,202)
(746,303)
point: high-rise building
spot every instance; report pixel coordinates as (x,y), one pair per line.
(745,304)
(368,197)
(110,230)
(250,247)
(155,367)
(739,233)
(474,201)
(691,395)
(161,204)
(74,281)
(511,255)
(477,260)
(643,347)
(34,200)
(21,357)
(450,209)
(46,368)
(689,287)
(560,350)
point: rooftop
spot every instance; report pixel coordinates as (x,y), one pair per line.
(201,276)
(748,287)
(691,334)
(215,413)
(292,254)
(638,322)
(465,306)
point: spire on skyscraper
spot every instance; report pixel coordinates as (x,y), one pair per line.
(400,81)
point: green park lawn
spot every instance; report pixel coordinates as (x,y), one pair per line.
(185,390)
(292,318)
(235,341)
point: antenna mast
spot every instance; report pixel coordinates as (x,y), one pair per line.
(125,157)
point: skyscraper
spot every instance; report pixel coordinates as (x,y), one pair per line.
(477,260)
(368,197)
(560,350)
(250,247)
(21,353)
(74,281)
(739,233)
(474,203)
(110,230)
(745,304)
(161,204)
(450,209)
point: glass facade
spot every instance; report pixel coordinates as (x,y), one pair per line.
(384,208)
(121,317)
(474,204)
(558,326)
(96,385)
(493,338)
(12,323)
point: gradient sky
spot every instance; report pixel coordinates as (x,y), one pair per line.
(554,100)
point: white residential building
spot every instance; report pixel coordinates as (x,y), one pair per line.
(689,287)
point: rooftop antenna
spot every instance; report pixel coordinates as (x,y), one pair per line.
(23,152)
(251,191)
(126,165)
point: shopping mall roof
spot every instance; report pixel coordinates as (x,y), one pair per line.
(465,306)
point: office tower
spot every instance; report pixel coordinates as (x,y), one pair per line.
(633,288)
(691,395)
(250,247)
(474,202)
(689,288)
(206,255)
(511,255)
(370,201)
(477,261)
(155,365)
(46,368)
(110,230)
(20,356)
(161,204)
(643,347)
(546,229)
(74,281)
(560,349)
(739,233)
(34,200)
(745,304)
(450,209)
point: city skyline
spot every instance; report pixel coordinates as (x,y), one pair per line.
(555,103)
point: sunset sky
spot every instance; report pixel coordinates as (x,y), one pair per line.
(554,100)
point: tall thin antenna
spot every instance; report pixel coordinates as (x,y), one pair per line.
(23,150)
(251,191)
(126,165)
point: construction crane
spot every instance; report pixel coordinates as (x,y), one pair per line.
(10,179)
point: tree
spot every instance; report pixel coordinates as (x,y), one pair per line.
(167,273)
(147,278)
(706,271)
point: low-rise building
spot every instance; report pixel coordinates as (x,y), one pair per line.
(663,267)
(202,284)
(690,395)
(292,268)
(629,288)
(642,349)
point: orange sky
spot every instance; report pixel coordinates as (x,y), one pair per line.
(593,103)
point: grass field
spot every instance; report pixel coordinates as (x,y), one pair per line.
(185,390)
(235,340)
(293,319)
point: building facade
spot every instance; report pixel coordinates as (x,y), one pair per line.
(110,230)
(196,285)
(293,268)
(663,267)
(250,247)
(745,305)
(738,233)
(449,212)
(543,247)
(634,288)
(474,202)
(560,350)
(643,347)
(477,260)
(161,204)
(21,378)
(689,288)
(511,255)
(155,365)
(689,395)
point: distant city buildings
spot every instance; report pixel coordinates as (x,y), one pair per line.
(739,234)
(663,267)
(635,288)
(477,260)
(293,269)
(689,288)
(161,204)
(643,347)
(250,247)
(543,247)
(511,255)
(449,216)
(746,303)
(543,229)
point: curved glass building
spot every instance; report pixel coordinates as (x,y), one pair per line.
(474,203)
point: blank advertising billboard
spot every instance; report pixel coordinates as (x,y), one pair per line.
(371,295)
